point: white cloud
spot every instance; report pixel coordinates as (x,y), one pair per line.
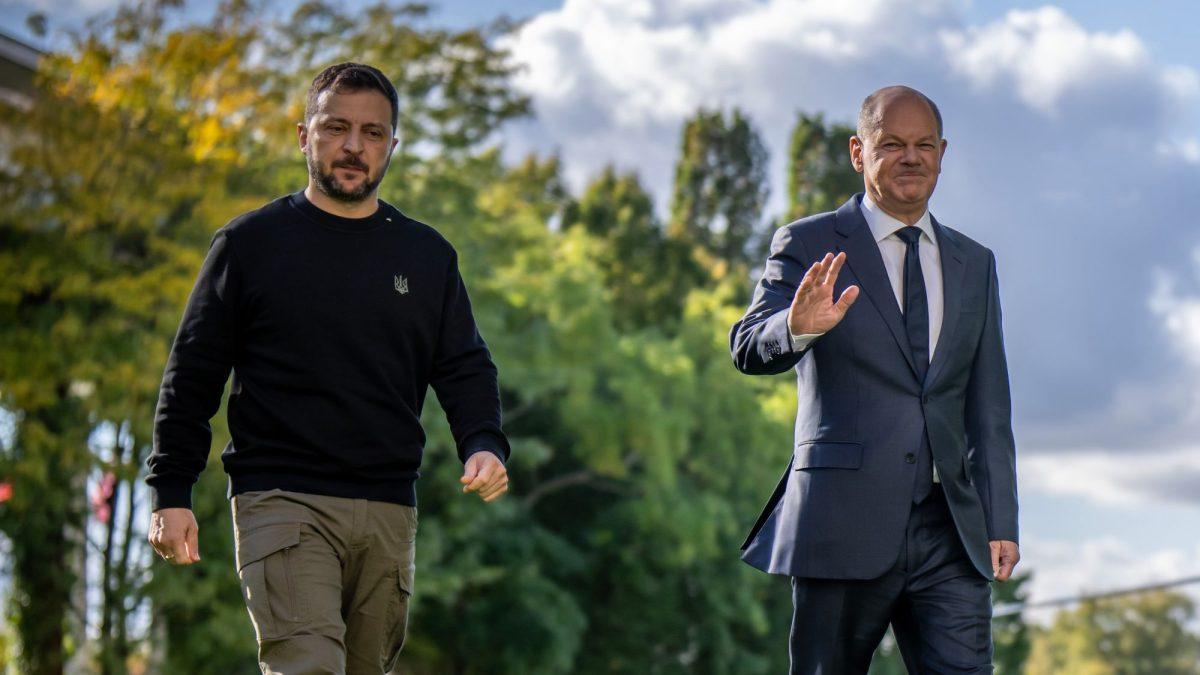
(1180,313)
(1044,55)
(1123,477)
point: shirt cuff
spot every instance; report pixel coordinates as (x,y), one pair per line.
(802,342)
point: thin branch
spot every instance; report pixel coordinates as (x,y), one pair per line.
(576,478)
(1010,608)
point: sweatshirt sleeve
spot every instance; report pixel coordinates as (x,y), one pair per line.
(464,377)
(194,379)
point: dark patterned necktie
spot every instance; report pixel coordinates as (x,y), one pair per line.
(916,324)
(916,303)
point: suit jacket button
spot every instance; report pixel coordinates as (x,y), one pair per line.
(910,458)
(926,399)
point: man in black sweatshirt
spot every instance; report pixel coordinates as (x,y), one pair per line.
(335,312)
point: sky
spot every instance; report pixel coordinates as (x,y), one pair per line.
(1074,154)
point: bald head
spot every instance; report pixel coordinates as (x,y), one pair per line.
(870,115)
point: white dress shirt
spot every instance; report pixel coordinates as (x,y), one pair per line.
(892,249)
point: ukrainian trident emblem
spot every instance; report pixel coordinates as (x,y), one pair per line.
(401,285)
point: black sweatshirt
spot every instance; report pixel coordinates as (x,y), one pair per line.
(334,328)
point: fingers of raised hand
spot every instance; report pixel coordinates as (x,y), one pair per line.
(847,299)
(834,267)
(815,276)
(809,280)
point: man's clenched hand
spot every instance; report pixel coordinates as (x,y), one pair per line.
(485,474)
(1005,556)
(174,534)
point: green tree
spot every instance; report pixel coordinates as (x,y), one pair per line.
(1142,634)
(720,189)
(635,256)
(819,175)
(134,133)
(1010,633)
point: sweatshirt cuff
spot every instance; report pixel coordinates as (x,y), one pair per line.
(484,441)
(175,494)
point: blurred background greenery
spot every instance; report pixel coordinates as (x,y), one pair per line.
(640,456)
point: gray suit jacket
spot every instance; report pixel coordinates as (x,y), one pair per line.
(840,510)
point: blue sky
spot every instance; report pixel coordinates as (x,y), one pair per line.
(1074,132)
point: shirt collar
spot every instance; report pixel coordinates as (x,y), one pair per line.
(883,225)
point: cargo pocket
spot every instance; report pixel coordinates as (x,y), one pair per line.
(264,560)
(397,614)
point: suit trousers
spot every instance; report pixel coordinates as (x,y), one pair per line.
(326,580)
(937,603)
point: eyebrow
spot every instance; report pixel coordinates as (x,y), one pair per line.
(343,120)
(889,137)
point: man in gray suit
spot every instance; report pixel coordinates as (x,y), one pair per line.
(900,501)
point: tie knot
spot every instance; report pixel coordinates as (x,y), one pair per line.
(910,234)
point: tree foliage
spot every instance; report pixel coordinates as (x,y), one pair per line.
(819,174)
(1142,634)
(720,188)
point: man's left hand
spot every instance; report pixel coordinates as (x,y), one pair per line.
(1005,556)
(485,473)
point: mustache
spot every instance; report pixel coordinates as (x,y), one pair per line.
(349,164)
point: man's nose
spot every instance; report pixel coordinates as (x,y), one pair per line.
(354,142)
(910,156)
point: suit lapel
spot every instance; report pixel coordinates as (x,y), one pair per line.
(952,277)
(863,257)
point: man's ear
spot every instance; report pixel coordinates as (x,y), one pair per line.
(302,135)
(856,150)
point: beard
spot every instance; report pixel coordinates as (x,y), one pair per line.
(328,183)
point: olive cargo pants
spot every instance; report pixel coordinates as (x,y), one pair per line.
(326,580)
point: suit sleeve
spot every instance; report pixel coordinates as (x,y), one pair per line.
(989,422)
(465,378)
(760,342)
(194,379)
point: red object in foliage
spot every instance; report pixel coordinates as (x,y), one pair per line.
(101,496)
(5,491)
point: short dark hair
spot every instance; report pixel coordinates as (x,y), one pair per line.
(350,77)
(869,115)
